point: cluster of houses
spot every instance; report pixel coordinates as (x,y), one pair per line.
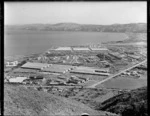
(73,80)
(40,80)
(131,73)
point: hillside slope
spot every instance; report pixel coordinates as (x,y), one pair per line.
(132,27)
(132,103)
(22,101)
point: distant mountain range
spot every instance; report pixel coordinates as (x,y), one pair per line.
(132,27)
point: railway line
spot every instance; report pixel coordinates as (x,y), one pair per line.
(100,82)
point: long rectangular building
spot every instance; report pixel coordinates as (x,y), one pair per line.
(63,49)
(89,73)
(81,49)
(56,68)
(90,70)
(99,49)
(38,66)
(23,70)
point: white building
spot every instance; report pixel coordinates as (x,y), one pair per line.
(81,49)
(63,49)
(12,64)
(17,79)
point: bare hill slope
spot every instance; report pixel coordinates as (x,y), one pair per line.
(22,101)
(133,103)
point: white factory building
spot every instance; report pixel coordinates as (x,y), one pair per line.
(17,79)
(101,49)
(81,49)
(38,66)
(11,64)
(63,49)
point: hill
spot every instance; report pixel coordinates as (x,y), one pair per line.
(135,37)
(132,27)
(22,101)
(133,103)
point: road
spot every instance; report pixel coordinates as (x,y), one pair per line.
(100,82)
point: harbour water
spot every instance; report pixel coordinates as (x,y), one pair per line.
(24,42)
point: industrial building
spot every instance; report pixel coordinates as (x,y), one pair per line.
(43,67)
(11,64)
(102,70)
(99,49)
(17,79)
(134,57)
(91,70)
(55,68)
(37,66)
(81,49)
(63,49)
(89,73)
(22,70)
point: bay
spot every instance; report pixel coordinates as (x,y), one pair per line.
(25,42)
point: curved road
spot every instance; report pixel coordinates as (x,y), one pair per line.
(100,82)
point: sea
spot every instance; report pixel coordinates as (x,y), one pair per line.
(26,42)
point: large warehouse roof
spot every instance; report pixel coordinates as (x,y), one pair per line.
(63,48)
(22,70)
(90,70)
(99,49)
(52,69)
(58,68)
(81,49)
(17,79)
(35,65)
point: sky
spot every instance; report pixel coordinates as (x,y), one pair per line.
(103,13)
